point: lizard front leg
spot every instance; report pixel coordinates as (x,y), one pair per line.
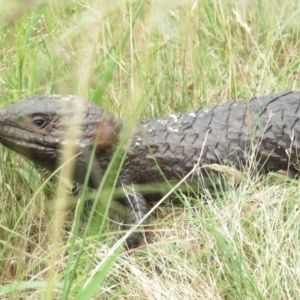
(136,208)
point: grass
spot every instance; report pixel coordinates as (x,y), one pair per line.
(149,60)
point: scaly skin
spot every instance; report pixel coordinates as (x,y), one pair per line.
(226,134)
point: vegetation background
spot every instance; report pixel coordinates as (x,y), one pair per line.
(149,58)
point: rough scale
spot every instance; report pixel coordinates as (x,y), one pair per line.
(226,134)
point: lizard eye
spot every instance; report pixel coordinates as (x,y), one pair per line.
(39,121)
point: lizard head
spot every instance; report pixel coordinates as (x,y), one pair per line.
(41,127)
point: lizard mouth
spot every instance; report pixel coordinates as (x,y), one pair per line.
(27,149)
(45,155)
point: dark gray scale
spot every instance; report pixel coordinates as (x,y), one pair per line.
(226,134)
(266,128)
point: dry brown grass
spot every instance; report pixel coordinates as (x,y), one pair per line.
(238,242)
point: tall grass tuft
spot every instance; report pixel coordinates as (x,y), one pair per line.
(142,59)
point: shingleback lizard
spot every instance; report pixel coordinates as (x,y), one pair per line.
(159,149)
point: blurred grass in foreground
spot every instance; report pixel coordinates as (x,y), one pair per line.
(242,243)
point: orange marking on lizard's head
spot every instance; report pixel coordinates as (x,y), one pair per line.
(107,134)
